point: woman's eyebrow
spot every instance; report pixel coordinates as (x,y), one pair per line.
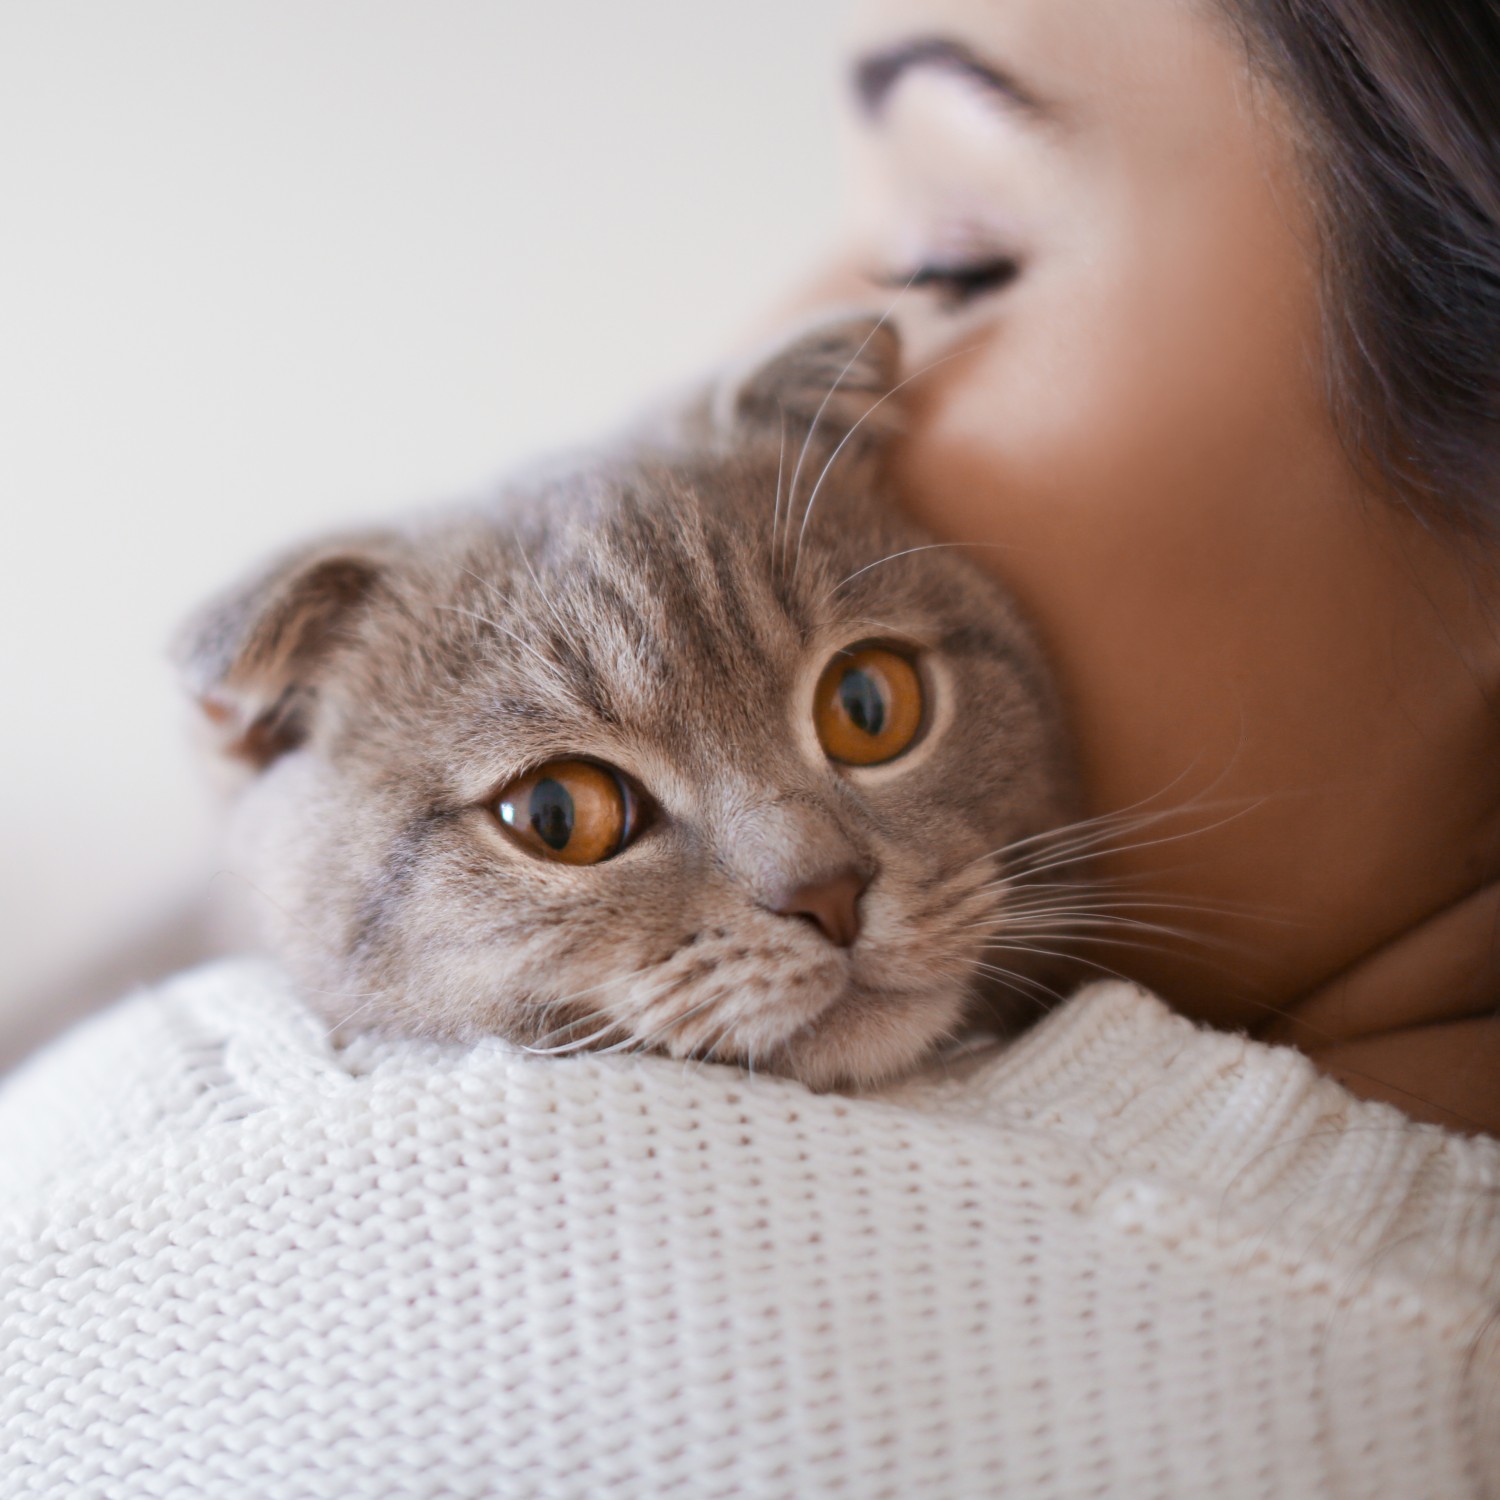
(876,74)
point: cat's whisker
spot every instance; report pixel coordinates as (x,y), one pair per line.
(1094,833)
(1083,910)
(565,1049)
(1086,902)
(1073,842)
(542,594)
(557,676)
(1092,851)
(577,1044)
(1033,950)
(706,1054)
(1080,842)
(854,427)
(1131,809)
(1013,979)
(1085,833)
(812,430)
(1019,901)
(345,1020)
(652,1038)
(776,509)
(1083,918)
(1129,883)
(908,551)
(1117,932)
(1146,938)
(1030,981)
(864,622)
(1071,940)
(633,1041)
(1120,889)
(1067,839)
(583,1044)
(1136,892)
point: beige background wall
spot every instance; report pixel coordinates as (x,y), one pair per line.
(268,266)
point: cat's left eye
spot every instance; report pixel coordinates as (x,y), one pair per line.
(868,706)
(572,811)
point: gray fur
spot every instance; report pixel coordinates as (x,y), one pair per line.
(665,609)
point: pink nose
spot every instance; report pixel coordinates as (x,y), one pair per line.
(831,905)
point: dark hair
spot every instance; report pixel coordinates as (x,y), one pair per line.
(1400,104)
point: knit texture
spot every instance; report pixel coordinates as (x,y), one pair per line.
(1125,1257)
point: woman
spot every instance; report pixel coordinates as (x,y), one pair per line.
(1220,290)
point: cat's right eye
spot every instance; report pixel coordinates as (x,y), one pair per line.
(571,811)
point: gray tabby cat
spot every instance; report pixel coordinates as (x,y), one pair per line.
(697,747)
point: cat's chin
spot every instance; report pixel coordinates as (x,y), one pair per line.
(864,1037)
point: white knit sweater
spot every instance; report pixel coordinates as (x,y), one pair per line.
(1125,1257)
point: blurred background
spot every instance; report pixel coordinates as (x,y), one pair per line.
(267,267)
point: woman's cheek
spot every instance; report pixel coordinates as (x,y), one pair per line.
(1050,412)
(1094,401)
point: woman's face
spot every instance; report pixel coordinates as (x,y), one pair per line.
(1112,251)
(1160,335)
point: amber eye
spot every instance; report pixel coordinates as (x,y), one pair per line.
(868,706)
(569,810)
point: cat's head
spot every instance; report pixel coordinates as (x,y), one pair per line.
(699,747)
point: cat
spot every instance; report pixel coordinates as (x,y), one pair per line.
(693,745)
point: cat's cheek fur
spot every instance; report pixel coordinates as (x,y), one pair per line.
(273,854)
(295,837)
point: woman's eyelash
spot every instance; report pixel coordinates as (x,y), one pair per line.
(961,282)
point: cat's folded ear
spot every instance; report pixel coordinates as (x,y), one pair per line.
(254,656)
(831,382)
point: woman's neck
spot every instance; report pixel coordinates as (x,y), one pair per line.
(1416,1022)
(1414,1019)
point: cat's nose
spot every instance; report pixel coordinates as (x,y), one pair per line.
(831,905)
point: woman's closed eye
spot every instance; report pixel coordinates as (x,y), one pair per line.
(960,282)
